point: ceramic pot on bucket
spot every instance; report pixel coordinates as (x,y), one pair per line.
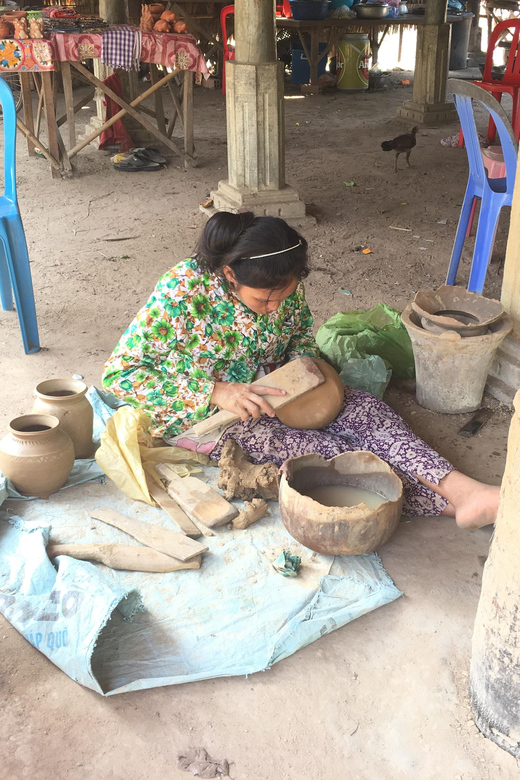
(36,455)
(451,371)
(65,399)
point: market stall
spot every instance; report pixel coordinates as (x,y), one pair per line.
(170,56)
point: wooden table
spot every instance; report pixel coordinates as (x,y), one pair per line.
(330,30)
(178,54)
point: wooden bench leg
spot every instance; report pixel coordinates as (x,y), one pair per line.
(187,98)
(159,105)
(28,117)
(50,118)
(69,102)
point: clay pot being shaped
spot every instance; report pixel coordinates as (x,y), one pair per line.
(318,407)
(36,455)
(358,479)
(6,30)
(65,399)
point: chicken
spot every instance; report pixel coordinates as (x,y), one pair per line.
(403,144)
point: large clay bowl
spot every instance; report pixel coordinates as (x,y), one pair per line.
(340,530)
(454,308)
(316,408)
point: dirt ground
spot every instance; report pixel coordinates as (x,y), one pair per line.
(383,698)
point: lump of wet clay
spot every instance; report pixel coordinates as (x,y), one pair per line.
(239,478)
(316,408)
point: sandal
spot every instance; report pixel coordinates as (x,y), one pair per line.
(149,154)
(133,163)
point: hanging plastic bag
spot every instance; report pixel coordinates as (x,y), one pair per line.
(128,453)
(366,347)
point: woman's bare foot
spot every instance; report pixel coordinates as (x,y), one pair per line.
(473,504)
(479,509)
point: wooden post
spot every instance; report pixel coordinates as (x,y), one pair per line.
(113,11)
(429,105)
(495,660)
(255,121)
(504,377)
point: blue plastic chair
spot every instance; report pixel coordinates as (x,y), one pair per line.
(15,273)
(494,193)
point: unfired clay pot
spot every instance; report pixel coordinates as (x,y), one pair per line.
(36,455)
(342,530)
(318,407)
(65,399)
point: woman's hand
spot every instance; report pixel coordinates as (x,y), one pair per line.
(244,400)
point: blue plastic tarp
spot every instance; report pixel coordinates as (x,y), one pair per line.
(117,631)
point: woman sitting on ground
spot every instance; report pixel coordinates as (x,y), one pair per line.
(237,308)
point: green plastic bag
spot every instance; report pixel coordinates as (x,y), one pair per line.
(366,347)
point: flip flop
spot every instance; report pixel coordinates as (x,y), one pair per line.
(148,153)
(133,163)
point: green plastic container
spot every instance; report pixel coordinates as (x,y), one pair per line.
(352,62)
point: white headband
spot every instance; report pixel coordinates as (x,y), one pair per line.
(280,252)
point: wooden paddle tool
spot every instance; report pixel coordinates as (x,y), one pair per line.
(123,556)
(198,498)
(296,378)
(161,539)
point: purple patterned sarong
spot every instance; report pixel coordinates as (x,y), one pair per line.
(364,423)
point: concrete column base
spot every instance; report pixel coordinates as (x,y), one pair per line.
(283,203)
(504,377)
(429,115)
(429,106)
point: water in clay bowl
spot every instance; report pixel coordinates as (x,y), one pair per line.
(316,408)
(349,505)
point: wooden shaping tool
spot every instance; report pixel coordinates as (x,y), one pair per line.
(296,378)
(123,556)
(161,539)
(170,506)
(198,498)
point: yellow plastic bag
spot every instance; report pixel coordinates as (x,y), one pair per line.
(127,453)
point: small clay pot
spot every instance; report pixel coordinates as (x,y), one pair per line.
(12,15)
(180,27)
(65,399)
(6,29)
(169,17)
(156,8)
(36,455)
(162,26)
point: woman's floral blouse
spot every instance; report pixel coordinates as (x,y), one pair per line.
(192,333)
